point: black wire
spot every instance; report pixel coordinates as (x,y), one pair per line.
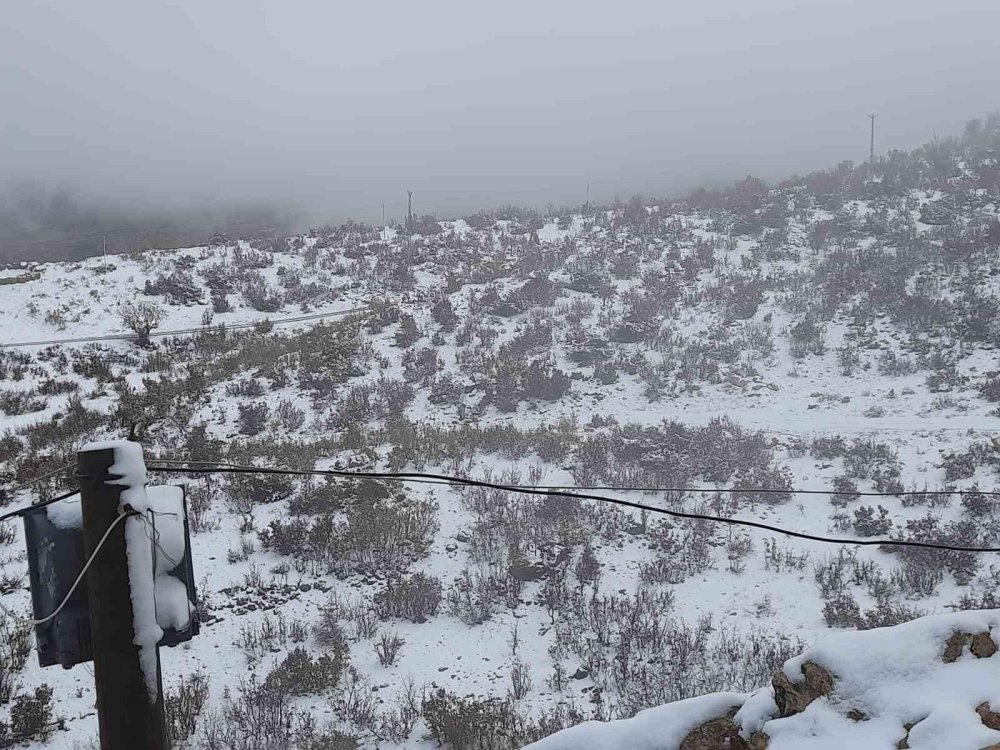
(412,476)
(621,488)
(773,491)
(238,467)
(42,504)
(25,485)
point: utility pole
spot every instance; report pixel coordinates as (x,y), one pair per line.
(128,716)
(383,222)
(104,244)
(871,153)
(409,219)
(588,196)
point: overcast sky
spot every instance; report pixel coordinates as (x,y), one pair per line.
(339,106)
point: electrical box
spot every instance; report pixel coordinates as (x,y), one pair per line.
(55,559)
(54,538)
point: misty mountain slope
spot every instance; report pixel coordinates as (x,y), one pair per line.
(827,333)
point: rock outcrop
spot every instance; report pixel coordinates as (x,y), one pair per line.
(793,697)
(862,689)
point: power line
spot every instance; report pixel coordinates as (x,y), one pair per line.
(189,331)
(25,485)
(762,490)
(411,476)
(252,469)
(28,509)
(440,479)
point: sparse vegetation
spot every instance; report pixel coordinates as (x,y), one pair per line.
(525,348)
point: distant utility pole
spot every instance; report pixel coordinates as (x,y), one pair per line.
(588,195)
(104,244)
(409,209)
(128,716)
(383,222)
(871,153)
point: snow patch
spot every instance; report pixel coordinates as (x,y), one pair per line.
(130,467)
(147,632)
(894,676)
(167,518)
(757,710)
(657,728)
(173,608)
(166,524)
(66,514)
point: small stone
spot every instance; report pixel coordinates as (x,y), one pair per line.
(953,647)
(793,697)
(989,717)
(714,734)
(983,646)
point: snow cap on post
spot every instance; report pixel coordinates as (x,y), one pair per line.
(129,467)
(129,470)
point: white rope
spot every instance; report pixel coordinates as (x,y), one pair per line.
(82,574)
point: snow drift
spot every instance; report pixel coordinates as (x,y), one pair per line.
(928,684)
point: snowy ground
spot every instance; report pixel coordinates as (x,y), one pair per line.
(895,678)
(790,400)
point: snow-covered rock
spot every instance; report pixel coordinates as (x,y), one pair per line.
(931,683)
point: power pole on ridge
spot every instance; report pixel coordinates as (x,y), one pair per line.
(871,152)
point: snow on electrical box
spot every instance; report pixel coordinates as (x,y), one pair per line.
(54,539)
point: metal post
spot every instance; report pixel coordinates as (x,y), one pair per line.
(871,153)
(409,218)
(128,717)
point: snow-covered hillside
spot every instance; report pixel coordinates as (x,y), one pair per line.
(931,683)
(828,333)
